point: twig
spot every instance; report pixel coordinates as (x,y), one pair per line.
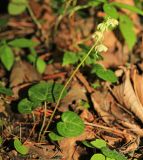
(44,120)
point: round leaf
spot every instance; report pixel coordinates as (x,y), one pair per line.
(25,106)
(7,57)
(98,157)
(16,9)
(45,92)
(71,125)
(98,143)
(19,147)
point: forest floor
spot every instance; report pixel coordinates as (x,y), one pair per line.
(111,110)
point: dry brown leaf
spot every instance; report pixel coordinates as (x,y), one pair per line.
(106,116)
(23,72)
(77,92)
(68,145)
(131,145)
(126,96)
(138,85)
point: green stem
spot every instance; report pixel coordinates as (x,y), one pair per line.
(33,16)
(65,86)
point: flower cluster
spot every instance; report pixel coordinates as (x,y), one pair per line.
(99,34)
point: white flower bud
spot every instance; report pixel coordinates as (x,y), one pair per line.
(101,48)
(98,35)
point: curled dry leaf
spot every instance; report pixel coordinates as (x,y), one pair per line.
(126,96)
(138,85)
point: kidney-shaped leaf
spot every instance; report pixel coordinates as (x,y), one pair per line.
(20,147)
(98,156)
(25,106)
(71,125)
(43,91)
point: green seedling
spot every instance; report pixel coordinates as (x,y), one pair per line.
(7,55)
(106,153)
(70,126)
(38,94)
(20,148)
(97,48)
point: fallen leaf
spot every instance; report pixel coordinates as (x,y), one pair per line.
(126,96)
(23,72)
(68,145)
(138,85)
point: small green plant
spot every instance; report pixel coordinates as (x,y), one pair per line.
(7,55)
(20,148)
(97,48)
(70,126)
(107,153)
(38,94)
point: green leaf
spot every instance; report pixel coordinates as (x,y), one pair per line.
(88,144)
(16,8)
(25,106)
(24,2)
(22,43)
(55,137)
(1,140)
(98,156)
(112,154)
(106,75)
(126,6)
(6,91)
(22,149)
(70,58)
(126,28)
(43,91)
(7,57)
(32,58)
(107,158)
(98,143)
(94,3)
(71,125)
(110,10)
(3,22)
(40,65)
